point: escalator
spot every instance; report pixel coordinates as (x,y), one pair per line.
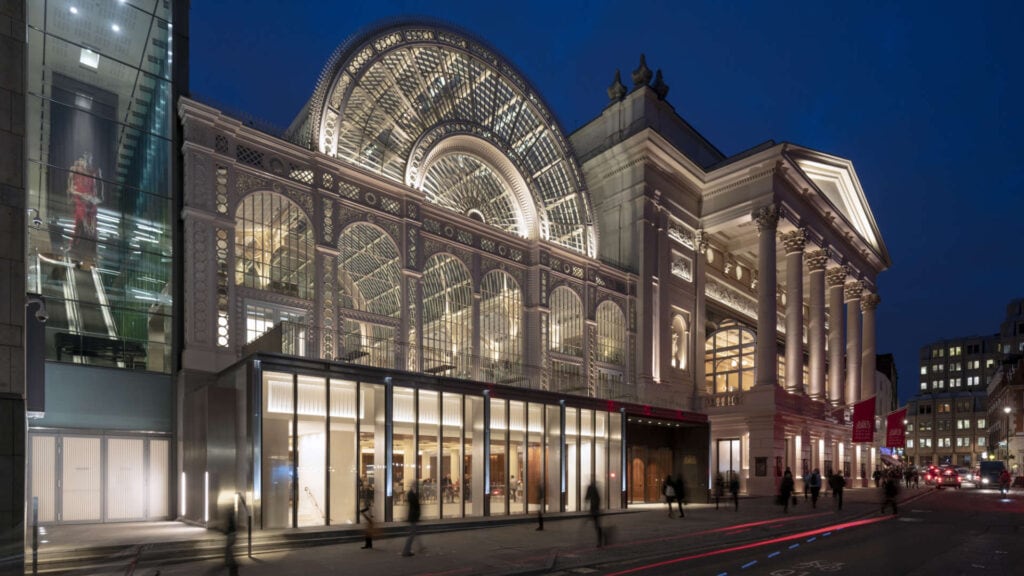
(81,327)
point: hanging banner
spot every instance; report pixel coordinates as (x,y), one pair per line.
(896,430)
(864,420)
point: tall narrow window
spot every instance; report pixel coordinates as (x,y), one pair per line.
(501,340)
(611,333)
(369,281)
(273,246)
(566,322)
(729,359)
(447,316)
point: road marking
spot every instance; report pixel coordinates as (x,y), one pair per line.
(749,564)
(774,554)
(809,540)
(827,534)
(797,545)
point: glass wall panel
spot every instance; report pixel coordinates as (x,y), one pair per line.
(517,457)
(452,456)
(447,316)
(553,459)
(501,312)
(566,322)
(312,446)
(428,450)
(572,460)
(372,447)
(273,245)
(601,471)
(473,491)
(615,474)
(276,450)
(499,459)
(535,457)
(611,333)
(587,452)
(403,449)
(343,470)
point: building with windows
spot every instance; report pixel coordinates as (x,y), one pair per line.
(423,282)
(951,419)
(1006,392)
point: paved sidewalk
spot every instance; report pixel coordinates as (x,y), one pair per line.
(516,548)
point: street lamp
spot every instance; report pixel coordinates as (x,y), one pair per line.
(1007,410)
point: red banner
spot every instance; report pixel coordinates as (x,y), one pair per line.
(896,430)
(864,420)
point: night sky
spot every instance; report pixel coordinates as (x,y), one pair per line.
(923,97)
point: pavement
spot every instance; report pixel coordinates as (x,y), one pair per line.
(502,546)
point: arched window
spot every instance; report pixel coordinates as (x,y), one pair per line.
(680,342)
(611,333)
(566,322)
(447,316)
(729,359)
(273,246)
(369,280)
(501,335)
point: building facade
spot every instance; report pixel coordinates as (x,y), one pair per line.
(1006,392)
(423,283)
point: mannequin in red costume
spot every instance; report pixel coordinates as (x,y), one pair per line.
(85,189)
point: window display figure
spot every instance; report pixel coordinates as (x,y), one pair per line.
(85,188)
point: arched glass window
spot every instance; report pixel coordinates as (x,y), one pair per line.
(369,280)
(273,246)
(566,322)
(611,333)
(501,339)
(729,359)
(680,342)
(447,316)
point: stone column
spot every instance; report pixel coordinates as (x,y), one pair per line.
(794,243)
(852,292)
(816,262)
(836,278)
(767,373)
(867,379)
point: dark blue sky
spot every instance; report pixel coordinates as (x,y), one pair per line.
(923,97)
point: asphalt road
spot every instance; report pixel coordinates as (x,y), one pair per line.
(945,532)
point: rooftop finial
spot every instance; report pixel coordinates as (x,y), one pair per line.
(617,91)
(659,86)
(642,75)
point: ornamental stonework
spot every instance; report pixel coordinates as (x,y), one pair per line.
(817,260)
(853,290)
(767,217)
(870,302)
(794,241)
(836,276)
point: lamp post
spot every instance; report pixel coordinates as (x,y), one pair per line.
(1007,410)
(907,456)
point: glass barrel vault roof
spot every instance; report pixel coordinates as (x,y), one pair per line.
(389,98)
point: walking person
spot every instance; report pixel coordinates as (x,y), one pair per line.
(366,511)
(891,489)
(413,501)
(734,490)
(814,483)
(668,490)
(594,501)
(540,507)
(719,488)
(786,489)
(680,494)
(231,533)
(836,482)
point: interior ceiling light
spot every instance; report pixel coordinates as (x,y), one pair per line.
(73,10)
(115,27)
(89,58)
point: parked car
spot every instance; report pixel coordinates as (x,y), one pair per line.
(948,476)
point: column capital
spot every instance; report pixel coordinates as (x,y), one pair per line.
(853,290)
(767,217)
(836,275)
(795,241)
(870,301)
(817,260)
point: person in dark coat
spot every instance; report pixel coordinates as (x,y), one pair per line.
(836,482)
(734,490)
(719,489)
(540,507)
(413,500)
(593,498)
(890,489)
(814,484)
(680,494)
(786,488)
(668,490)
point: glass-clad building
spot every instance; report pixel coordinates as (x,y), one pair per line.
(101,179)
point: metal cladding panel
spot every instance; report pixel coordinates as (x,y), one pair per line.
(82,495)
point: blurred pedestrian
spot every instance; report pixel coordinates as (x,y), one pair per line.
(366,511)
(814,483)
(836,482)
(413,501)
(594,502)
(719,488)
(680,494)
(786,489)
(540,507)
(734,489)
(890,489)
(668,490)
(231,533)
(877,476)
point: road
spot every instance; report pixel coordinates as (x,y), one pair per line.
(944,532)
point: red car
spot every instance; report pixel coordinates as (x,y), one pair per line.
(948,476)
(931,475)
